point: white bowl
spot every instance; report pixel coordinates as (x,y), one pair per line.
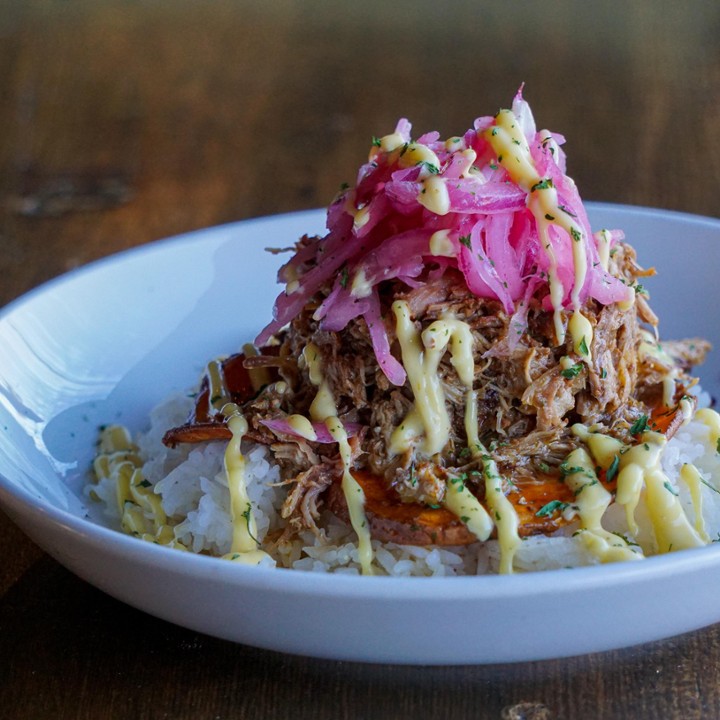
(107,342)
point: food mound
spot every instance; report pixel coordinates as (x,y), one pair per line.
(460,362)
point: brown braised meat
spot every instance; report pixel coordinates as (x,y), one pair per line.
(527,401)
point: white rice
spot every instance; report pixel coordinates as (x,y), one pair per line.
(191,482)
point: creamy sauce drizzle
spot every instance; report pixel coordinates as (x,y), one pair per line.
(692,478)
(602,238)
(513,153)
(218,394)
(649,347)
(141,512)
(244,548)
(323,409)
(302,426)
(592,500)
(441,245)
(638,468)
(360,287)
(428,424)
(434,195)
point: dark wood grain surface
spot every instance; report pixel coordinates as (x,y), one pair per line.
(125,121)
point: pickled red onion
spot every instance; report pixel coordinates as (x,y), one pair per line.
(380,230)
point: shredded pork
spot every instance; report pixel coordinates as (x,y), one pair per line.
(529,392)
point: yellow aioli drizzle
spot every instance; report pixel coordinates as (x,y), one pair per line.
(244,548)
(504,513)
(464,160)
(455,143)
(409,153)
(602,237)
(638,466)
(302,426)
(421,364)
(649,347)
(141,511)
(686,408)
(592,500)
(388,143)
(692,478)
(421,353)
(672,528)
(290,275)
(604,450)
(416,154)
(711,420)
(218,394)
(513,153)
(461,502)
(361,218)
(360,287)
(434,195)
(323,409)
(581,332)
(440,244)
(689,473)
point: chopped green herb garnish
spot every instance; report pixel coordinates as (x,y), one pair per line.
(639,426)
(707,484)
(430,167)
(344,276)
(603,373)
(594,481)
(670,488)
(552,507)
(542,185)
(376,141)
(247,514)
(576,234)
(583,347)
(612,470)
(572,371)
(465,240)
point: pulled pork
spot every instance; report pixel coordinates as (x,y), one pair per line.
(529,393)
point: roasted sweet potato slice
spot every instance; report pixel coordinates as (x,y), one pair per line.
(392,520)
(669,420)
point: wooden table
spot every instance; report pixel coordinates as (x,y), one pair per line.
(124,121)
